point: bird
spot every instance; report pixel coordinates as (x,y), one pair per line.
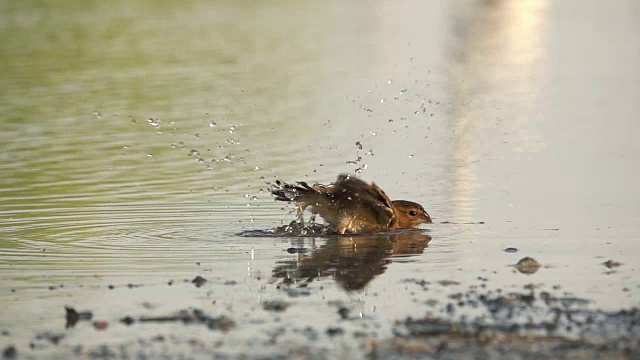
(352,206)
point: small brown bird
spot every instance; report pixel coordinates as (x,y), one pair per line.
(351,206)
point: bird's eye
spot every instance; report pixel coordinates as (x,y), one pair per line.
(413,213)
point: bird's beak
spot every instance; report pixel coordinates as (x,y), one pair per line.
(426,218)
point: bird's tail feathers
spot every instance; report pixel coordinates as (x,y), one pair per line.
(292,192)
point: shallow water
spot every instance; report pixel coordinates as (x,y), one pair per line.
(137,141)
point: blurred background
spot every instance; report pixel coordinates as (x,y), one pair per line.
(137,140)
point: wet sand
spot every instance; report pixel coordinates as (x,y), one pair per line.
(138,142)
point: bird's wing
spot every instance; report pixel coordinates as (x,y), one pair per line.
(387,213)
(371,195)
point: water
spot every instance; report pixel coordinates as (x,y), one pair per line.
(131,133)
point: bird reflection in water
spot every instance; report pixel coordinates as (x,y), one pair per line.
(352,260)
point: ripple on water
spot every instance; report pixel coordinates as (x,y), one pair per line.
(121,237)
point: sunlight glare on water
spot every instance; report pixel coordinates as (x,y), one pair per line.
(139,141)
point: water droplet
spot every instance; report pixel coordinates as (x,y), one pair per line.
(389,81)
(212,124)
(370,152)
(98,115)
(416,113)
(358,145)
(194,152)
(410,156)
(154,122)
(390,120)
(361,169)
(261,191)
(126,146)
(196,135)
(149,155)
(257,168)
(382,101)
(402,91)
(232,128)
(373,133)
(254,197)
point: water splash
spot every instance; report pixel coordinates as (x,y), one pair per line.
(293,229)
(154,122)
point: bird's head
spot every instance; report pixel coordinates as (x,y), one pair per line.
(410,214)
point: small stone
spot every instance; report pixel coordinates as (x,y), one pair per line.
(73,316)
(225,323)
(531,286)
(611,264)
(451,308)
(343,312)
(448,282)
(51,337)
(333,331)
(199,281)
(128,320)
(528,265)
(100,324)
(10,352)
(275,305)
